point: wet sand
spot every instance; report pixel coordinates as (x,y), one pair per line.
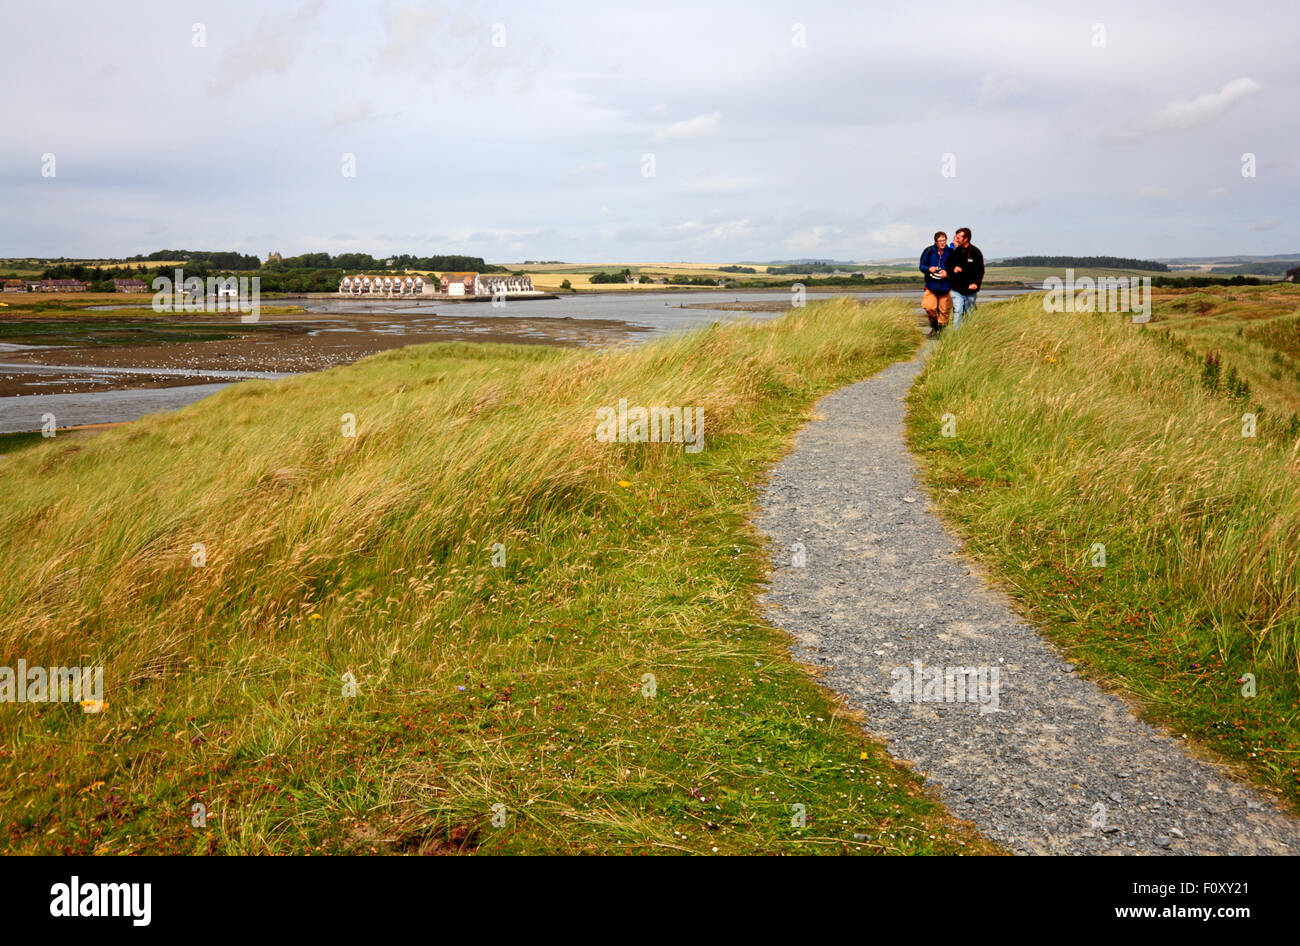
(30,411)
(286,344)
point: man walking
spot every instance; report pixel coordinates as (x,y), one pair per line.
(965,274)
(937,300)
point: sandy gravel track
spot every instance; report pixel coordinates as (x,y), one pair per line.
(1041,760)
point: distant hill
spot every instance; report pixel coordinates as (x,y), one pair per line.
(1259,268)
(1231,260)
(1117,262)
(798,262)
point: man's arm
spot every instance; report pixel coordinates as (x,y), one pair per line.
(924,268)
(975,272)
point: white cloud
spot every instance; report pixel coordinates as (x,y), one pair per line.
(805,241)
(712,182)
(353,110)
(901,236)
(729,230)
(519,146)
(410,34)
(994,89)
(1188,113)
(1267,225)
(268,49)
(701,126)
(1016,205)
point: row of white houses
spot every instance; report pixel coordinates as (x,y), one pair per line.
(386,285)
(494,284)
(451,284)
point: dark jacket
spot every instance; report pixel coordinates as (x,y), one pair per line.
(965,266)
(932,257)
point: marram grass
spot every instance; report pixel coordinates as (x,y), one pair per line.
(349,671)
(1074,432)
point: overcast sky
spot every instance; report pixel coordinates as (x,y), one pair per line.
(520,130)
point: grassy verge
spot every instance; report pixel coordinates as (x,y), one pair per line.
(1078,431)
(611,685)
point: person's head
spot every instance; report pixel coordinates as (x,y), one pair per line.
(941,239)
(961,237)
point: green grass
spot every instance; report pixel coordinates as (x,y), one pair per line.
(1076,430)
(92,306)
(116,332)
(12,443)
(523,686)
(1254,330)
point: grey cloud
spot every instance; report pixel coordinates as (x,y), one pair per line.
(269,48)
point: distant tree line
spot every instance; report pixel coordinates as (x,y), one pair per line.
(1078,262)
(96,274)
(737,269)
(402,262)
(309,272)
(271,280)
(1200,282)
(807,268)
(217,260)
(246,262)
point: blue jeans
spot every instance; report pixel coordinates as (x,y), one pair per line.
(962,303)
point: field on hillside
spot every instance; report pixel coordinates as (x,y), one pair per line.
(667,269)
(468,626)
(581,282)
(26,268)
(1112,487)
(1034,275)
(1253,331)
(549,277)
(34,267)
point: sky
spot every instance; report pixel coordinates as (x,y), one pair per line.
(602,132)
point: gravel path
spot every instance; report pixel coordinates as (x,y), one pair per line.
(1042,761)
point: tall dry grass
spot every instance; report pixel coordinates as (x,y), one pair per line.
(1080,430)
(371,556)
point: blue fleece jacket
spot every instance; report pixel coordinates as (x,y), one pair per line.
(932,257)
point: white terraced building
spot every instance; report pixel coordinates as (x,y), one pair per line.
(494,284)
(386,286)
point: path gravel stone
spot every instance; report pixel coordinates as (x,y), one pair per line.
(1041,760)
